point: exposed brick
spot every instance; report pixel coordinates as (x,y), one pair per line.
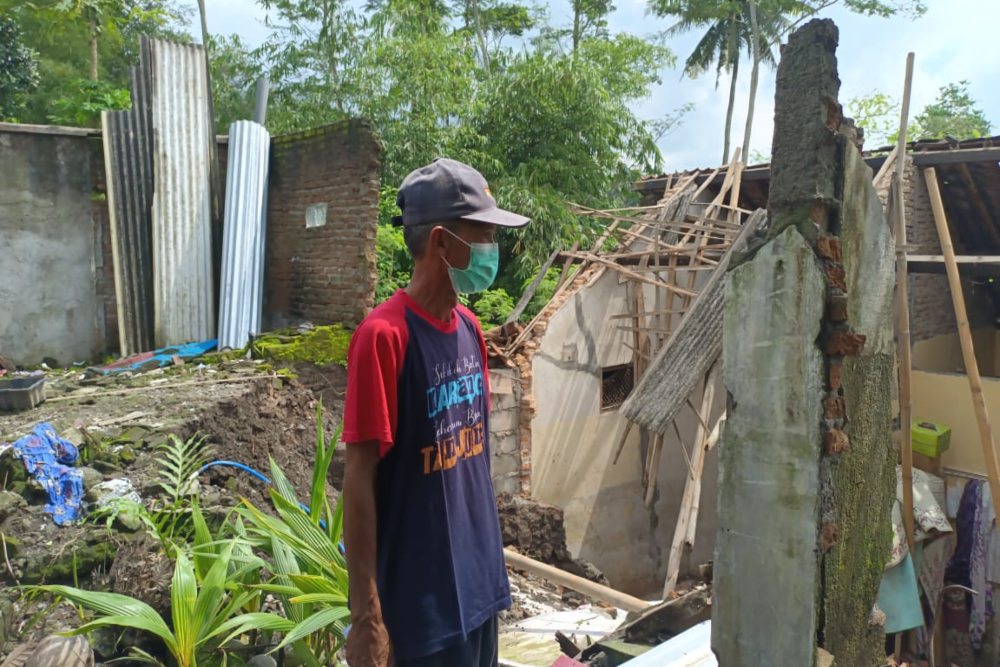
(835,275)
(834,376)
(323,274)
(834,406)
(845,344)
(828,537)
(837,306)
(828,247)
(836,441)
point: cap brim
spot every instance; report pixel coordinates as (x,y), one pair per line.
(499,217)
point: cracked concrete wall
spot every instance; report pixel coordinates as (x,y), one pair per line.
(574,442)
(51,240)
(807,473)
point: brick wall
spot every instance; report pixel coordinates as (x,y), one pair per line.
(932,313)
(322,274)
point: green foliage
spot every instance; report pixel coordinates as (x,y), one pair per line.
(83,101)
(199,610)
(18,69)
(308,573)
(878,115)
(953,113)
(492,307)
(542,295)
(179,463)
(71,37)
(393,262)
(235,69)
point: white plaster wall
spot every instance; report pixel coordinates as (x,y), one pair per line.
(573,445)
(48,244)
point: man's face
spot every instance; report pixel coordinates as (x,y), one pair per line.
(457,253)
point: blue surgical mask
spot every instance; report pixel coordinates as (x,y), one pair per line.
(484,261)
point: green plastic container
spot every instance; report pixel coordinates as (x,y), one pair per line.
(930,439)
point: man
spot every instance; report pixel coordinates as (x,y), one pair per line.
(424,553)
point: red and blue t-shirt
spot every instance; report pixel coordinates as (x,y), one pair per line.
(419,386)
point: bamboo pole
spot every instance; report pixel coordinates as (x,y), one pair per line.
(579,584)
(965,336)
(691,484)
(903,312)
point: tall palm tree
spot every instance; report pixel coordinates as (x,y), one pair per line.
(729,32)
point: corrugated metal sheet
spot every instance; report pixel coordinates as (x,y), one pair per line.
(182,212)
(128,166)
(243,234)
(691,648)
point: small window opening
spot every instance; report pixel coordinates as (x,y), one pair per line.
(316,215)
(616,385)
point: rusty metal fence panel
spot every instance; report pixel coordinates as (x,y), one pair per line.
(127,163)
(182,217)
(243,234)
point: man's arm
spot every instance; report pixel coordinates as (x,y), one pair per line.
(368,641)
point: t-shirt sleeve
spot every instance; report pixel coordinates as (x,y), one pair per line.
(374,364)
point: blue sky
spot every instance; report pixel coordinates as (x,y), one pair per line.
(954,40)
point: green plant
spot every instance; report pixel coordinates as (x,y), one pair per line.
(82,102)
(169,519)
(308,571)
(199,611)
(493,306)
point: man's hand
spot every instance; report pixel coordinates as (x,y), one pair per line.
(368,643)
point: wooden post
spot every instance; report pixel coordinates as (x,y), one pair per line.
(965,336)
(903,312)
(579,584)
(692,484)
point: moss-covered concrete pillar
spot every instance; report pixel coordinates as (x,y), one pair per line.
(807,470)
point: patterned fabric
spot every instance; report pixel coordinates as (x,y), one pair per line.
(929,518)
(933,562)
(48,458)
(982,604)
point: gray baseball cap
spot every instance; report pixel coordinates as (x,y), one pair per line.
(450,190)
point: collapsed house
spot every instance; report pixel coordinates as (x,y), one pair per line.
(602,406)
(559,382)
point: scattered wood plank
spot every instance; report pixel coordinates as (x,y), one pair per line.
(579,584)
(965,337)
(690,500)
(692,349)
(532,288)
(627,272)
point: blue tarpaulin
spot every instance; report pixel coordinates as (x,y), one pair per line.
(158,358)
(49,460)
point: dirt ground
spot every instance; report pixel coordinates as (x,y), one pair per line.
(248,414)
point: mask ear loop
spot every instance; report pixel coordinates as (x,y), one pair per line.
(469,245)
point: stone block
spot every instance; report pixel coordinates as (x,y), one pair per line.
(504,421)
(505,464)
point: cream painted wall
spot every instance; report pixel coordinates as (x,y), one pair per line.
(943,354)
(573,445)
(945,398)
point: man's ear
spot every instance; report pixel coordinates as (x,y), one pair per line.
(435,240)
